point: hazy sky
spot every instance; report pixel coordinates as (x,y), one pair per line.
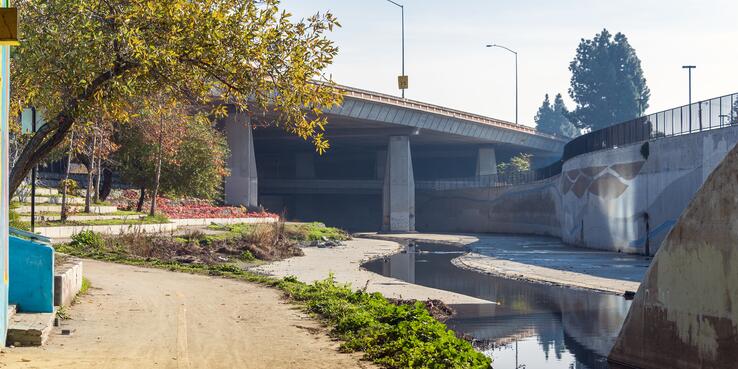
(448,64)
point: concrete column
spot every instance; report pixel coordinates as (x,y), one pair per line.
(486,161)
(398,194)
(241,186)
(304,165)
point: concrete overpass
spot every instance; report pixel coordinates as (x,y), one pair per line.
(380,145)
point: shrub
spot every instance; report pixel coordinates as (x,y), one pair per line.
(88,239)
(15,221)
(397,336)
(72,186)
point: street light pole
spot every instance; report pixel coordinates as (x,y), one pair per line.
(516,76)
(689,69)
(402,85)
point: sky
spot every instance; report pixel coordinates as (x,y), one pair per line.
(448,64)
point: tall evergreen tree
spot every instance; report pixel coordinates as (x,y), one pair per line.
(607,82)
(552,119)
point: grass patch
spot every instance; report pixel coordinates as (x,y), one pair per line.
(295,231)
(315,232)
(157,219)
(14,220)
(390,334)
(117,213)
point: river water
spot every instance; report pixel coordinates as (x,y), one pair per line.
(530,326)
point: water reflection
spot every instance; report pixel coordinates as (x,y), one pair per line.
(531,326)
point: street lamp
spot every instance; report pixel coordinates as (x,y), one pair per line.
(689,69)
(402,81)
(516,76)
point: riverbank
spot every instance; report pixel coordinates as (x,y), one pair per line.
(539,259)
(345,264)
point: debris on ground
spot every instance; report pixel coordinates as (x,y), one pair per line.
(437,308)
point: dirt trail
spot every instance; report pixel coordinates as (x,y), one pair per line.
(147,318)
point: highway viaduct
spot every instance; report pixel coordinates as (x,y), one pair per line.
(381,146)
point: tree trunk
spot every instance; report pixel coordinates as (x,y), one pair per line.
(90,172)
(141,197)
(159,155)
(99,174)
(107,184)
(66,179)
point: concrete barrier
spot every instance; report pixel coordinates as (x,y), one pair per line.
(208,221)
(685,314)
(69,231)
(97,209)
(31,276)
(67,281)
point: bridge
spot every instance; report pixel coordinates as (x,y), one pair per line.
(380,146)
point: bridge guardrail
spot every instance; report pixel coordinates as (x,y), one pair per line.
(384,98)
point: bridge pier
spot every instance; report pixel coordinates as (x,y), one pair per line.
(241,186)
(398,194)
(486,161)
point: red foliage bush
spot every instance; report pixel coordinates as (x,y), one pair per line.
(193,208)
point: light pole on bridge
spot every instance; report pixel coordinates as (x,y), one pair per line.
(402,80)
(516,75)
(689,68)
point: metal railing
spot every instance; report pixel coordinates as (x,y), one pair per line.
(705,115)
(700,116)
(488,181)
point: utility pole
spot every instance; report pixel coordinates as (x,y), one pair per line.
(33,175)
(516,76)
(689,69)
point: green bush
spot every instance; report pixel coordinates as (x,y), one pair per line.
(72,186)
(316,231)
(246,255)
(397,336)
(14,220)
(87,239)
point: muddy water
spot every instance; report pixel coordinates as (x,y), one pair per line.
(531,325)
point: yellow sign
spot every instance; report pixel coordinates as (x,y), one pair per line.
(9,27)
(402,82)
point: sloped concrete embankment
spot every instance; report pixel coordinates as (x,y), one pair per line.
(685,313)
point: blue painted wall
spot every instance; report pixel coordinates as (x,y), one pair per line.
(31,276)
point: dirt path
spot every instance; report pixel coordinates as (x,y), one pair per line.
(147,318)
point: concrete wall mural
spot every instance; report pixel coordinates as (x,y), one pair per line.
(624,199)
(684,314)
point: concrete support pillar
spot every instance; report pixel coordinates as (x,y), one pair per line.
(304,165)
(241,186)
(486,161)
(398,194)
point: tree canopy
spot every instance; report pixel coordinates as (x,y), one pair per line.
(607,82)
(80,56)
(552,119)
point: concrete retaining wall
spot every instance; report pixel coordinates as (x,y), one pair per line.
(209,221)
(684,314)
(526,209)
(67,282)
(628,198)
(624,199)
(67,232)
